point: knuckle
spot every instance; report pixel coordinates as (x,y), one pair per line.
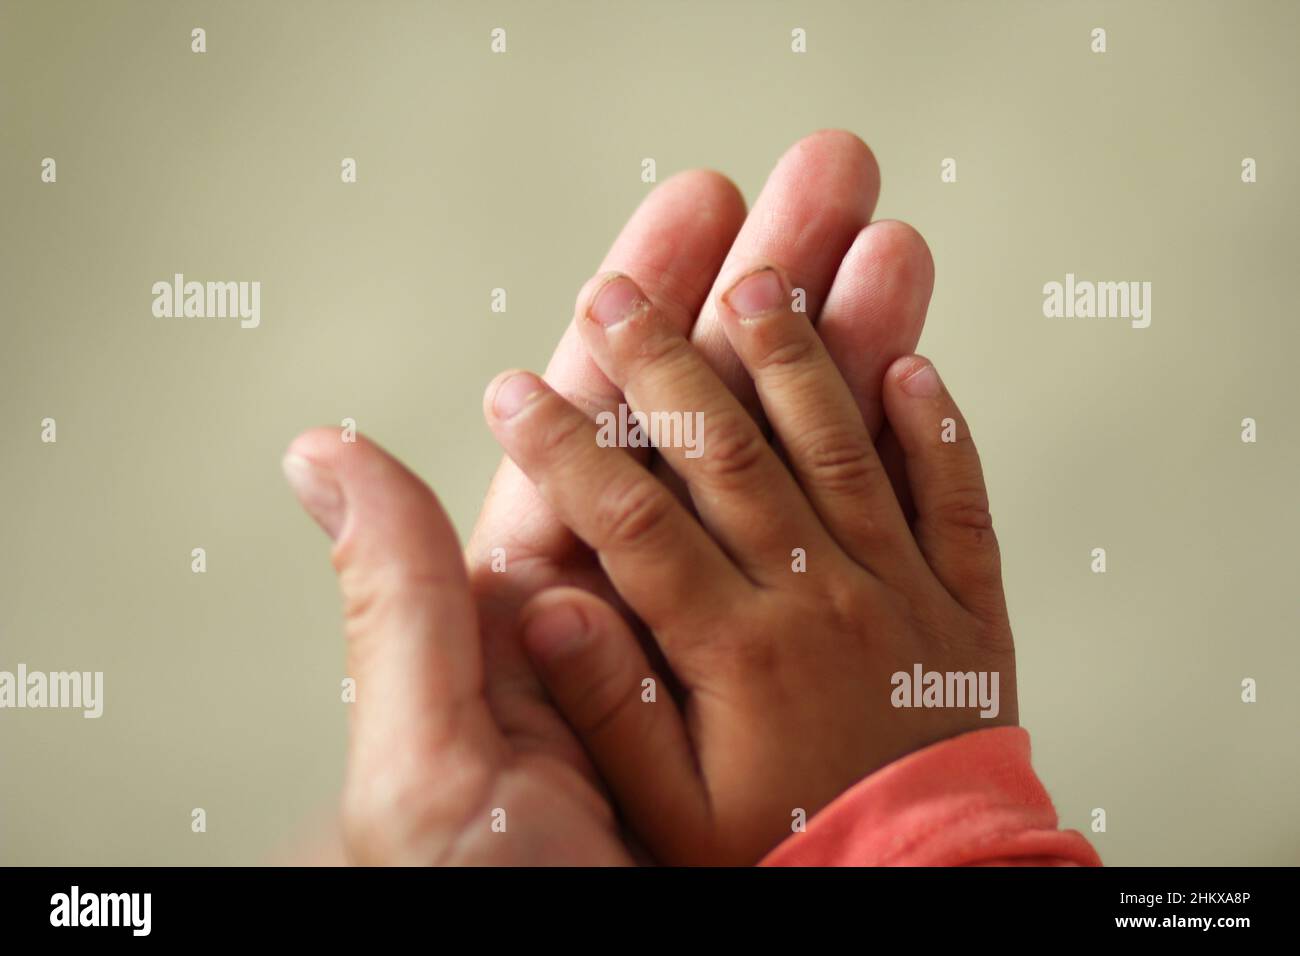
(632,511)
(965,508)
(557,435)
(659,353)
(608,696)
(590,400)
(850,604)
(963,441)
(839,461)
(372,592)
(787,353)
(740,656)
(734,452)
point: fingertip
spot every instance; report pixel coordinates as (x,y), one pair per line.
(839,139)
(712,189)
(318,490)
(923,382)
(555,630)
(844,148)
(342,479)
(903,368)
(319,444)
(903,241)
(758,291)
(614,298)
(509,393)
(909,379)
(592,288)
(317,472)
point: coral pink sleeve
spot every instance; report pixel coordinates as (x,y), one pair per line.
(972,800)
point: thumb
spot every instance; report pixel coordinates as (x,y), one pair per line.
(603,684)
(412,639)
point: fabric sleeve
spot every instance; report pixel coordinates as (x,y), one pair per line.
(972,800)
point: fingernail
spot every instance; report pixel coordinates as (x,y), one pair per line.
(514,393)
(615,301)
(923,383)
(555,632)
(757,293)
(317,491)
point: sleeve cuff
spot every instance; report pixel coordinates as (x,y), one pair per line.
(971,800)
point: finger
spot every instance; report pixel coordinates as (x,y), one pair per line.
(672,245)
(662,562)
(412,645)
(818,197)
(818,423)
(953,527)
(875,310)
(730,469)
(601,681)
(891,457)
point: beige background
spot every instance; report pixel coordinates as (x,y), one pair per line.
(479,171)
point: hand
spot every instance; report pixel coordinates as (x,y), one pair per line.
(870,285)
(867,288)
(432,777)
(786,672)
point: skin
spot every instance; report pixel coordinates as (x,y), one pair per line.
(452,720)
(785,673)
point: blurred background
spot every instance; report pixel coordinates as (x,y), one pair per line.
(478,171)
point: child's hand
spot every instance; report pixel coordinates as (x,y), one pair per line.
(867,282)
(787,690)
